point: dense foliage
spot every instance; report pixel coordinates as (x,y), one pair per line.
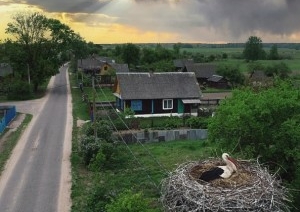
(41,45)
(265,124)
(232,74)
(254,49)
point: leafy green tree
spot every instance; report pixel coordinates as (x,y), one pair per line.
(162,66)
(148,56)
(131,54)
(163,53)
(262,123)
(274,53)
(232,74)
(255,66)
(224,56)
(254,49)
(40,40)
(280,69)
(176,48)
(19,90)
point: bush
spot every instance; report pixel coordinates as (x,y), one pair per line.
(197,122)
(19,90)
(129,201)
(103,128)
(265,124)
(89,147)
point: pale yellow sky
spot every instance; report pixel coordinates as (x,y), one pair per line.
(163,21)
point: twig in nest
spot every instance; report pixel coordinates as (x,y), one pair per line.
(252,188)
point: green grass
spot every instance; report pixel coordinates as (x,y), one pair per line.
(170,154)
(11,141)
(140,167)
(293,64)
(101,94)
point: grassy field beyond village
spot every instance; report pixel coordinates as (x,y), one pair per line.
(292,56)
(140,167)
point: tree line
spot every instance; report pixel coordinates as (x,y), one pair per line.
(42,44)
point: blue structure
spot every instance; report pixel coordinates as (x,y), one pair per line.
(7,114)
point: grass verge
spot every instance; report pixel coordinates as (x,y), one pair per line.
(11,141)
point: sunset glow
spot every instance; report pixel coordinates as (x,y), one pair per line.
(151,21)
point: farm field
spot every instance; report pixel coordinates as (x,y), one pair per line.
(293,63)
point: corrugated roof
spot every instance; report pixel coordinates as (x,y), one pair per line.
(158,85)
(215,78)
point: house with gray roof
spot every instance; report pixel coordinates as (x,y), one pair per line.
(203,71)
(157,94)
(103,68)
(180,64)
(217,81)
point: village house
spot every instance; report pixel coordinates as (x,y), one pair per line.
(157,94)
(203,71)
(217,81)
(103,68)
(180,64)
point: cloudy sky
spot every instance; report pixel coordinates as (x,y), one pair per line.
(161,21)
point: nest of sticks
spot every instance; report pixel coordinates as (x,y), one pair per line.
(251,188)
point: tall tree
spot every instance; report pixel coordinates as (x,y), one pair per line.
(40,40)
(254,49)
(274,53)
(148,56)
(131,54)
(176,48)
(263,123)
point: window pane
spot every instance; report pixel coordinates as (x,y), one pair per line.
(167,104)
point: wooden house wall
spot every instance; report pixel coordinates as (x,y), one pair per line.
(151,106)
(222,84)
(104,69)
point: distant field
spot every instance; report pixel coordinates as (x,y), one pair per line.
(293,63)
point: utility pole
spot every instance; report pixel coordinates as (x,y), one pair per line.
(94,105)
(28,73)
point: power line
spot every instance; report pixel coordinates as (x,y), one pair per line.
(124,142)
(162,167)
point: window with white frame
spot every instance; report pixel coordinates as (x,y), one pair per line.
(168,104)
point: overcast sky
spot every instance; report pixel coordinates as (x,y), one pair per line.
(160,21)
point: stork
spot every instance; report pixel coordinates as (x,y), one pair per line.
(220,171)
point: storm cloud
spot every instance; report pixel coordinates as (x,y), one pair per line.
(230,20)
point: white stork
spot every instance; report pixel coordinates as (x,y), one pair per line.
(220,171)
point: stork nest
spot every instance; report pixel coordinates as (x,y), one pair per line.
(251,188)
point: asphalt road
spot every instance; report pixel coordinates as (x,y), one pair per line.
(37,176)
